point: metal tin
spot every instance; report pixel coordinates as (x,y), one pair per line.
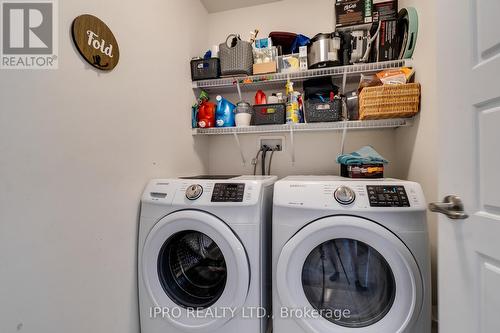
(323,51)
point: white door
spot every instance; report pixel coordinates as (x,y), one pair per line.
(353,264)
(192,260)
(469,157)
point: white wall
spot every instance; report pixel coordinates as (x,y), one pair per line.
(315,152)
(418,147)
(306,17)
(76,149)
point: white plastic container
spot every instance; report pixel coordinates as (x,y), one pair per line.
(243,114)
(243,119)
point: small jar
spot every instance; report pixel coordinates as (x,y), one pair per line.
(243,113)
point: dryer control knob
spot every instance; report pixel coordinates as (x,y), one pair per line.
(345,195)
(193,192)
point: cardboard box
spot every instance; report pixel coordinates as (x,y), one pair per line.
(353,12)
(265,68)
(388,41)
(385,10)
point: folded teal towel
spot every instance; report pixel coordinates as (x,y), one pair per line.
(366,155)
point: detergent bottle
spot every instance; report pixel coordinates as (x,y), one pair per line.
(206,115)
(224,115)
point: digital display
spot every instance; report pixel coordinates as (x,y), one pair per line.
(228,192)
(388,196)
(391,190)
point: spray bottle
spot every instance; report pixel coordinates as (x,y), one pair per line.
(292,107)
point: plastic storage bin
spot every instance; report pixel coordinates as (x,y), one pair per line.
(289,63)
(204,69)
(317,111)
(269,114)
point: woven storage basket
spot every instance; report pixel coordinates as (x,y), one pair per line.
(389,101)
(238,59)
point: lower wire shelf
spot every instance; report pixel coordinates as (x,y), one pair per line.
(309,127)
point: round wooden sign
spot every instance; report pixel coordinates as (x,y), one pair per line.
(95,42)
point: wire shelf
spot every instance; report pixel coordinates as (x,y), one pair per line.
(257,81)
(337,126)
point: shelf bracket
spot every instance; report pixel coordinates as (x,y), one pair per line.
(344,135)
(238,144)
(344,81)
(238,88)
(292,145)
(344,112)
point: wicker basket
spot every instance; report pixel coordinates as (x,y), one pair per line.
(389,101)
(238,59)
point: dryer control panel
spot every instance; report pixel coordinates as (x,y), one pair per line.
(327,192)
(387,196)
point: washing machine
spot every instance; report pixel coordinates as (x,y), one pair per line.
(203,249)
(350,256)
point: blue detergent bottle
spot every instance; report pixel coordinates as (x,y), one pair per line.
(224,115)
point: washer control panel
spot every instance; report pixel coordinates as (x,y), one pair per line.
(228,192)
(387,196)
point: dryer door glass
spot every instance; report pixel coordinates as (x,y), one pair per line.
(349,283)
(192,269)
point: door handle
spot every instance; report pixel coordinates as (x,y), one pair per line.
(452,207)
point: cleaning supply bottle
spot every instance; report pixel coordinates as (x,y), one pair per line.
(195,114)
(224,115)
(260,98)
(206,115)
(292,107)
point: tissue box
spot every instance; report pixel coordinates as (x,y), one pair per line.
(263,43)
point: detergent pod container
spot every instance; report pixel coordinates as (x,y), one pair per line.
(224,115)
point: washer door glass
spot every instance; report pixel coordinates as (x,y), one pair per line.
(192,269)
(349,283)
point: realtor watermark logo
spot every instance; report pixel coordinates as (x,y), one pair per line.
(29,34)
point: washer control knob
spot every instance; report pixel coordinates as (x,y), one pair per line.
(193,192)
(345,195)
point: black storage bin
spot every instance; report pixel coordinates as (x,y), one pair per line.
(319,86)
(204,69)
(269,114)
(317,111)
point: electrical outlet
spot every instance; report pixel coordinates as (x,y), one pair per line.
(273,142)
